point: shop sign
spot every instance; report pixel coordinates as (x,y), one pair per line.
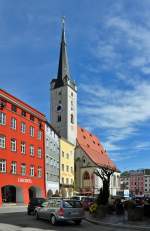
(24,180)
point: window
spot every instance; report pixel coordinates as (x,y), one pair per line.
(23,127)
(72,119)
(71,181)
(23,147)
(23,113)
(59,118)
(31,117)
(13,145)
(23,169)
(62,154)
(13,123)
(31,170)
(2,141)
(67,168)
(2,118)
(67,181)
(2,165)
(71,169)
(67,155)
(13,108)
(62,166)
(39,135)
(39,153)
(31,150)
(62,180)
(31,131)
(39,172)
(13,167)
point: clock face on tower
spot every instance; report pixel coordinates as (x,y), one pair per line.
(59,108)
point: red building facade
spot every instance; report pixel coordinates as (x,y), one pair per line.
(137,183)
(22,150)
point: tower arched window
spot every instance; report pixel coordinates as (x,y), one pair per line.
(72,119)
(59,118)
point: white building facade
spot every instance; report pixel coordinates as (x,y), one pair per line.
(52,160)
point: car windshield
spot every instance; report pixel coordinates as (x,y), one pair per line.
(37,200)
(44,204)
(72,204)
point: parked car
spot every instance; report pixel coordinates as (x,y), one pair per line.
(87,202)
(59,209)
(34,202)
(78,198)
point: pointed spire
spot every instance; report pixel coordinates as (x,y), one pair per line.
(63,68)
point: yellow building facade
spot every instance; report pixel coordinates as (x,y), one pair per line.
(66,168)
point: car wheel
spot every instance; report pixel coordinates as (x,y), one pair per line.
(28,212)
(37,215)
(77,222)
(53,220)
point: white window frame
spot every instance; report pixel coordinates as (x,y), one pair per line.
(13,167)
(2,141)
(39,153)
(31,131)
(31,150)
(23,127)
(2,118)
(2,165)
(31,170)
(39,135)
(67,168)
(13,145)
(39,172)
(67,156)
(13,123)
(23,147)
(23,169)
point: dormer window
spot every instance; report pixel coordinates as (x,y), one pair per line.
(13,108)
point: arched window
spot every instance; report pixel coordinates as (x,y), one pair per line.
(86,179)
(86,176)
(59,118)
(72,119)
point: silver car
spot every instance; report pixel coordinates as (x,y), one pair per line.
(58,209)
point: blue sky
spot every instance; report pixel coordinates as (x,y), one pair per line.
(109,57)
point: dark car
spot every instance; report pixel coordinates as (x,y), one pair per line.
(34,202)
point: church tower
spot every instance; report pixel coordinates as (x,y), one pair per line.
(64,97)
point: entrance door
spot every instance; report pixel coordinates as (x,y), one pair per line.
(32,192)
(9,194)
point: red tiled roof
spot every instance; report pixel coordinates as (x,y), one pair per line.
(91,146)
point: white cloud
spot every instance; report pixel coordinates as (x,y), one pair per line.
(126,45)
(118,112)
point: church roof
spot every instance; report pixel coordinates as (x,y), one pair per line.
(91,145)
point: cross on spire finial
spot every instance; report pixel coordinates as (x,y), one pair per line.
(63,21)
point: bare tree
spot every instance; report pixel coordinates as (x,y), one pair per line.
(104,174)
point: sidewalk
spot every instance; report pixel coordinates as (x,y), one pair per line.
(119,221)
(8,205)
